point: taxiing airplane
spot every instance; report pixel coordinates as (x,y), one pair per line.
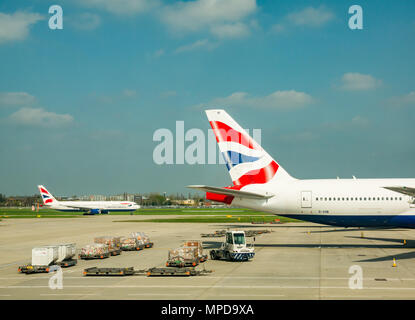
(89,207)
(260,183)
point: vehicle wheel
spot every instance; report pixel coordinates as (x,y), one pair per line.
(213,255)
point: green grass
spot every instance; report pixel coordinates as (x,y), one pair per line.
(205,215)
(48,213)
(217,219)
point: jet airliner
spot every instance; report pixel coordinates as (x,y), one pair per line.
(260,183)
(88,207)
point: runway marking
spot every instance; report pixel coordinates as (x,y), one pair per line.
(215,277)
(205,287)
(252,295)
(159,294)
(69,294)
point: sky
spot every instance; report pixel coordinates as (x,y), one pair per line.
(79,106)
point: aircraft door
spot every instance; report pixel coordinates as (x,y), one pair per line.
(306,198)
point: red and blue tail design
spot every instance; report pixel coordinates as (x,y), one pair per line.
(47,197)
(245,159)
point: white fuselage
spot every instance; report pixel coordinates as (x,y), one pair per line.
(341,202)
(103,206)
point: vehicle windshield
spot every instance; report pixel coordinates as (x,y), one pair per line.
(239,238)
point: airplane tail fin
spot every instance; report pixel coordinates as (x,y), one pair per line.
(245,159)
(47,197)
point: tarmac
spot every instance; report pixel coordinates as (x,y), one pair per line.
(294,261)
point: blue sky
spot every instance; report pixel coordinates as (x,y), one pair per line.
(79,106)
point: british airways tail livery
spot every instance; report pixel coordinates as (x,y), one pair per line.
(260,183)
(89,207)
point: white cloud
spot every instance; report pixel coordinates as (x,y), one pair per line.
(85,21)
(359,82)
(311,17)
(289,99)
(403,101)
(39,117)
(234,30)
(170,93)
(121,7)
(199,44)
(129,93)
(158,53)
(15,99)
(16,26)
(307,17)
(222,18)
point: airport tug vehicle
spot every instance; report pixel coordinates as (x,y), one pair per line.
(234,248)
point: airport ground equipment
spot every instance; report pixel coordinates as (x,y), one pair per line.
(131,244)
(94,271)
(234,248)
(152,272)
(182,257)
(113,244)
(94,251)
(141,236)
(199,249)
(43,258)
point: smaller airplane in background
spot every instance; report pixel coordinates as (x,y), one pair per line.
(88,207)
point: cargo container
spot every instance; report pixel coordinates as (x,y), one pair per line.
(182,257)
(131,244)
(141,236)
(199,249)
(113,244)
(44,256)
(94,251)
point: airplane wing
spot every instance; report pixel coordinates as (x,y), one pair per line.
(402,189)
(230,192)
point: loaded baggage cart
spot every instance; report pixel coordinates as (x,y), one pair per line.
(131,244)
(141,236)
(94,251)
(113,244)
(182,257)
(198,245)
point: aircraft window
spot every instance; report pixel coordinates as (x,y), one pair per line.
(316,199)
(321,199)
(387,198)
(360,199)
(325,199)
(383,198)
(368,198)
(329,199)
(400,198)
(378,198)
(396,198)
(365,199)
(338,199)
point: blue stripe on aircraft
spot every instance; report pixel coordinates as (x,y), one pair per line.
(233,158)
(397,221)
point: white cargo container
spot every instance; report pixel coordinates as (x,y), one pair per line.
(65,251)
(44,256)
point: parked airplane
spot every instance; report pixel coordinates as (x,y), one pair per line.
(260,183)
(89,207)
